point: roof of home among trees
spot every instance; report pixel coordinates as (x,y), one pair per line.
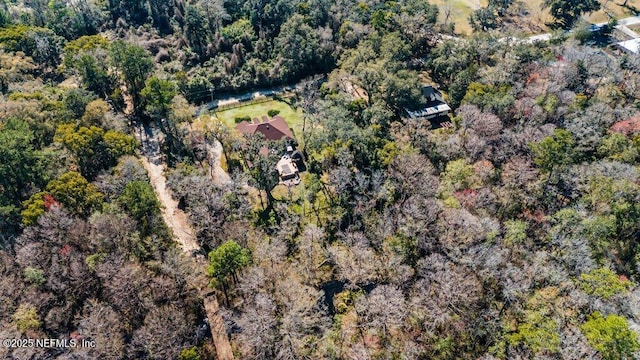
(275,128)
(435,105)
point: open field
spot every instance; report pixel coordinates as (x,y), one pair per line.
(459,11)
(291,115)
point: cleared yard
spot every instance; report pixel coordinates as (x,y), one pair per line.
(291,115)
(459,11)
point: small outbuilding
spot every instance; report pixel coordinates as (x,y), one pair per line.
(288,171)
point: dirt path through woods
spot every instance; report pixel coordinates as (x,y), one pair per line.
(182,229)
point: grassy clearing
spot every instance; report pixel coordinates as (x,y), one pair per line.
(291,115)
(460,10)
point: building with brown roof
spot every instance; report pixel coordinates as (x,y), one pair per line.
(275,128)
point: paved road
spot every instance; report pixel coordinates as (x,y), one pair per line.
(542,37)
(227,99)
(632,34)
(622,26)
(633,20)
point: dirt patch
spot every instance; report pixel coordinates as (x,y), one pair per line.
(215,156)
(175,218)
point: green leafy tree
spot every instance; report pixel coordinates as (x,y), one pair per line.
(87,57)
(76,101)
(538,328)
(378,66)
(458,175)
(604,283)
(86,144)
(418,19)
(133,11)
(139,199)
(189,354)
(225,262)
(158,94)
(82,18)
(71,190)
(41,44)
(75,193)
(600,231)
(618,147)
(451,58)
(161,13)
(94,148)
(484,19)
(298,45)
(554,150)
(118,144)
(382,20)
(133,64)
(196,30)
(5,18)
(538,332)
(566,12)
(500,5)
(94,113)
(20,169)
(497,99)
(33,208)
(240,31)
(34,276)
(611,336)
(515,231)
(614,200)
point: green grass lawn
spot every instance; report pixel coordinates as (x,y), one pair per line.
(291,115)
(459,11)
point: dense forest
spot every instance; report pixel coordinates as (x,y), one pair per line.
(514,233)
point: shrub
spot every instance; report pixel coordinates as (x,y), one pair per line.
(240,119)
(34,276)
(611,336)
(189,354)
(26,318)
(273,112)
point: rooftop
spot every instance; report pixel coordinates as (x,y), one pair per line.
(288,171)
(434,107)
(275,128)
(632,46)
